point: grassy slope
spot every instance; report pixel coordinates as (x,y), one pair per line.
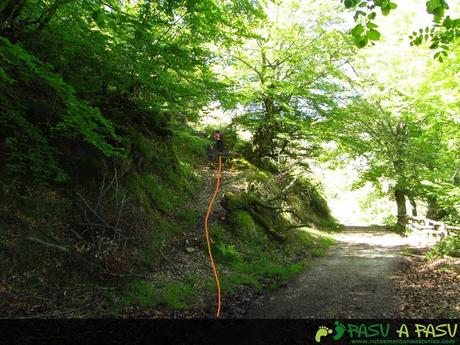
(167,200)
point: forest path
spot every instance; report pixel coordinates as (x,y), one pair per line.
(354,280)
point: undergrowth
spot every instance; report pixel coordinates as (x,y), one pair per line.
(146,294)
(259,261)
(449,246)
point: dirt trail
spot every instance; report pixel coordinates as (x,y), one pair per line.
(354,280)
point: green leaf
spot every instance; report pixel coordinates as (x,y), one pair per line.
(361,41)
(432,5)
(350,3)
(371,25)
(357,30)
(373,35)
(386,11)
(357,14)
(418,40)
(439,12)
(385,3)
(448,22)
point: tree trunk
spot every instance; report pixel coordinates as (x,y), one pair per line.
(435,212)
(401,204)
(413,204)
(266,132)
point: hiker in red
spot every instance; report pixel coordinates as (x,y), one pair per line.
(219,142)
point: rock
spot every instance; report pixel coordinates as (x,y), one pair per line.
(189,249)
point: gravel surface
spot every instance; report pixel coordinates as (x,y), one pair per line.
(356,279)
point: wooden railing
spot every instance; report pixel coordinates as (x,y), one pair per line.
(432,227)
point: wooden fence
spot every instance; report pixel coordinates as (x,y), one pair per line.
(431,227)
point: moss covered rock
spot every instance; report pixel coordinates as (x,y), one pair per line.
(244,224)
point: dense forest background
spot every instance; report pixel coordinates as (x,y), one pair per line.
(105,138)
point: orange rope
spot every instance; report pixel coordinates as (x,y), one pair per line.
(216,276)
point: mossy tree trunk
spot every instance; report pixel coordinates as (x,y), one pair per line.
(255,207)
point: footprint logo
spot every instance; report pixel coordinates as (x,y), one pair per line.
(339,330)
(322,332)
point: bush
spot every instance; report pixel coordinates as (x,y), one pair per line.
(226,253)
(390,220)
(449,246)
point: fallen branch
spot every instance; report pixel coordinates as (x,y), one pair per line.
(298,226)
(88,262)
(95,213)
(285,190)
(261,221)
(47,244)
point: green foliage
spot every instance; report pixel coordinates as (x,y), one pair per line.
(174,295)
(188,218)
(407,251)
(449,246)
(259,270)
(447,196)
(226,253)
(42,119)
(441,35)
(257,259)
(244,225)
(402,144)
(315,243)
(159,195)
(390,220)
(318,205)
(188,145)
(88,87)
(267,269)
(281,93)
(107,85)
(241,164)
